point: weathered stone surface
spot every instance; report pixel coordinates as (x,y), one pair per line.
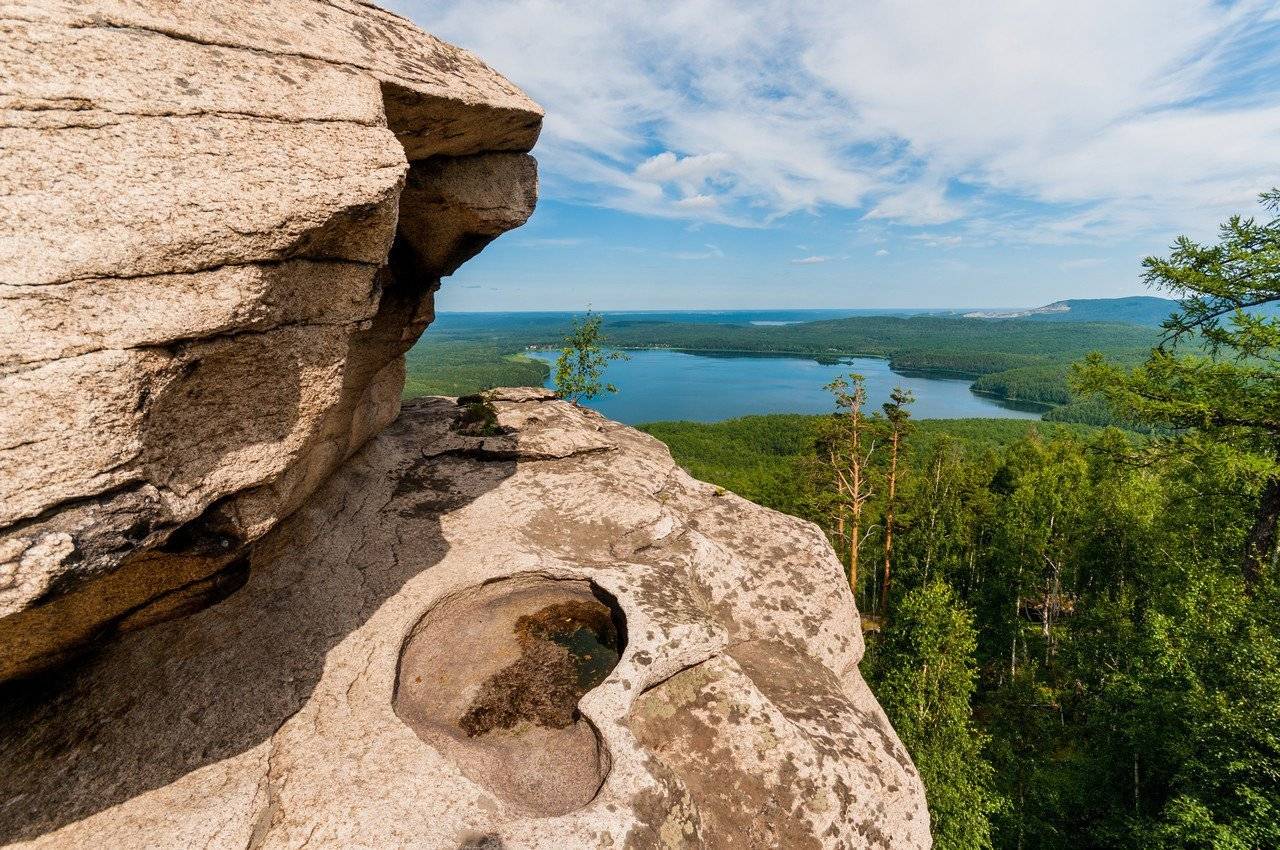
(135,72)
(363,688)
(204,290)
(442,99)
(154,195)
(496,191)
(61,321)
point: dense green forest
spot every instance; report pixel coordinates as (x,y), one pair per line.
(1045,384)
(460,367)
(1075,630)
(768,459)
(962,346)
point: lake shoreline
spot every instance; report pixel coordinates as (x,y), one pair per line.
(663,383)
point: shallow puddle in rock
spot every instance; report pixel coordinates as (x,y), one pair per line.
(585,630)
(491,679)
(566,650)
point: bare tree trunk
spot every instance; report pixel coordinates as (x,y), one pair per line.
(933,516)
(856,486)
(853,549)
(1260,544)
(1013,645)
(888,518)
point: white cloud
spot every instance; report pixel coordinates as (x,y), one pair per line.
(1006,120)
(882,253)
(668,167)
(811,261)
(935,241)
(918,204)
(695,202)
(712,252)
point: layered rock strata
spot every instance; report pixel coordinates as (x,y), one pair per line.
(221,225)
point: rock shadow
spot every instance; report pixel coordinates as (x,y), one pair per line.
(168,700)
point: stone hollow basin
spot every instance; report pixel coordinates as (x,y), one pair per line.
(492,678)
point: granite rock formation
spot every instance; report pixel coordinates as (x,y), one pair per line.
(221,225)
(246,600)
(546,636)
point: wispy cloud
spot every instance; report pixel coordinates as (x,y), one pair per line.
(712,252)
(696,202)
(691,171)
(882,253)
(936,241)
(1005,120)
(811,261)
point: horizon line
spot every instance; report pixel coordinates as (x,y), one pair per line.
(954,308)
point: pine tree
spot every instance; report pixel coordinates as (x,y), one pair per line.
(1214,381)
(850,449)
(897,413)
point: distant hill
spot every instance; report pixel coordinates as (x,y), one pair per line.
(1135,310)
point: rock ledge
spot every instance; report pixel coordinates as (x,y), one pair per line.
(735,715)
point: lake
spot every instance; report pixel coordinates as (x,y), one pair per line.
(666,385)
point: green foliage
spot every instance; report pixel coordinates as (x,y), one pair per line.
(924,674)
(1097,411)
(1214,380)
(478,416)
(1049,387)
(1043,384)
(897,410)
(767,459)
(1198,694)
(583,360)
(458,368)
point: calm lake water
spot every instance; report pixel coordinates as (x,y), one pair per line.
(664,385)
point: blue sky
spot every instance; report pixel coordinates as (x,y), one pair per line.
(826,153)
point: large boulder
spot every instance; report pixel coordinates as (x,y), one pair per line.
(509,623)
(221,225)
